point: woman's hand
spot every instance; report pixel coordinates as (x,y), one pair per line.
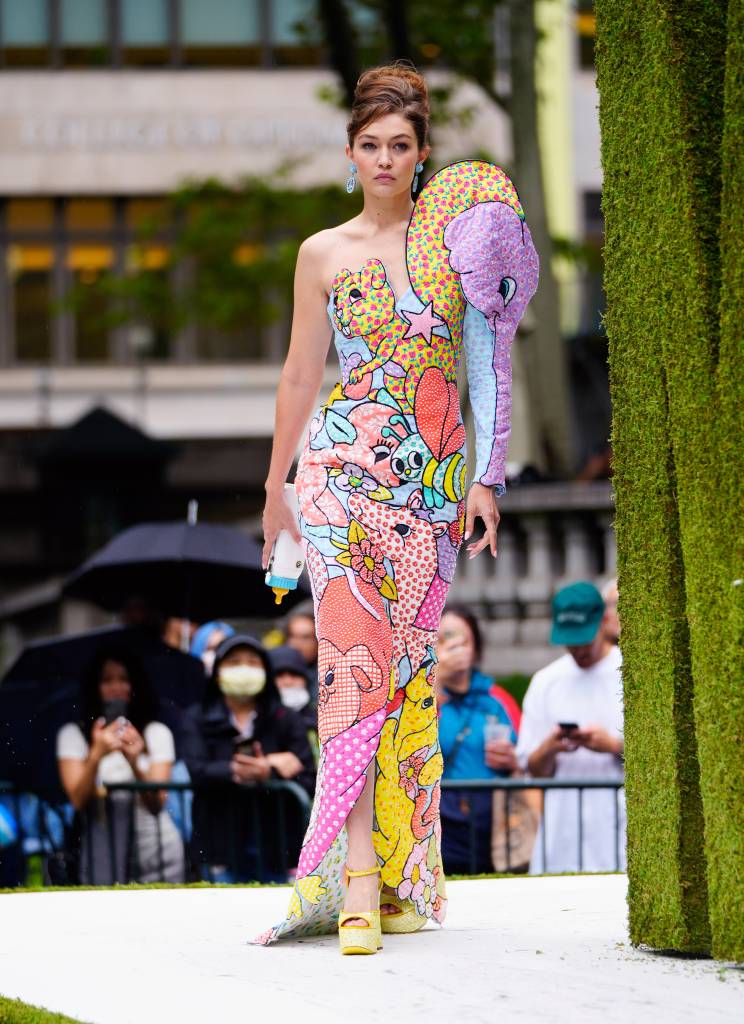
(501,755)
(105,738)
(132,744)
(481,502)
(277,515)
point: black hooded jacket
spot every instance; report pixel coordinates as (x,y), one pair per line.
(224,815)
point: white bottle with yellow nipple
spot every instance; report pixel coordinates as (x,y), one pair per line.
(287,557)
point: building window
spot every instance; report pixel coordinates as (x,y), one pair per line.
(586,31)
(295,33)
(162,33)
(84,33)
(224,33)
(29,270)
(24,31)
(53,254)
(145,32)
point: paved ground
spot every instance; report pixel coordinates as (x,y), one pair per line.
(519,950)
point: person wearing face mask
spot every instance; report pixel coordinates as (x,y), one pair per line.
(207,639)
(242,733)
(293,679)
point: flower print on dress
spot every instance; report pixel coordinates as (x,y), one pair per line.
(366,559)
(419,881)
(352,478)
(410,769)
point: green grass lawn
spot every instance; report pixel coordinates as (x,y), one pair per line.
(13,1011)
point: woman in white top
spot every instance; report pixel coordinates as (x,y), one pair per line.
(124,837)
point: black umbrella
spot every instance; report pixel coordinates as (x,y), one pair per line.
(198,571)
(40,692)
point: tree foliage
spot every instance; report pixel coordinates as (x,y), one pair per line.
(230,255)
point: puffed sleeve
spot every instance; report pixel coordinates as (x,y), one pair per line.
(488,367)
(490,247)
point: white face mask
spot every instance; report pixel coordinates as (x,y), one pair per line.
(241,680)
(295,697)
(208,661)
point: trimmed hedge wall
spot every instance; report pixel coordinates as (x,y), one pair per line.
(668,153)
(719,696)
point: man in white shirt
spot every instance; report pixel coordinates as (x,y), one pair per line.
(572,728)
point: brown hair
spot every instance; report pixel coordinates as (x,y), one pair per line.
(395,88)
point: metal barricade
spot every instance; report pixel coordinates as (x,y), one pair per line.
(107,844)
(509,785)
(286,794)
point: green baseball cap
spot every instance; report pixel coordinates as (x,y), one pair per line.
(577,612)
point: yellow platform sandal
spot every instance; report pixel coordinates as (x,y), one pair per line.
(404,920)
(359,938)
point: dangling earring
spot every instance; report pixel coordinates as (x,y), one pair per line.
(419,169)
(351,180)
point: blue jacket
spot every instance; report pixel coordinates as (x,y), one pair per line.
(464,716)
(461,725)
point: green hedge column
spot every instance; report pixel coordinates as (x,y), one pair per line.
(714,573)
(649,254)
(677,394)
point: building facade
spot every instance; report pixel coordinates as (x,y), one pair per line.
(106,107)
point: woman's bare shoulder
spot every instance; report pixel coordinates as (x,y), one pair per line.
(322,243)
(318,252)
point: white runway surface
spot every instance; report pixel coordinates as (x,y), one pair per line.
(515,950)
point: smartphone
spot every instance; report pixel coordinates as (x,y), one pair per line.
(244,746)
(113,709)
(568,726)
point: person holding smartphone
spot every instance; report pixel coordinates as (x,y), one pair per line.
(118,738)
(242,733)
(478,726)
(572,728)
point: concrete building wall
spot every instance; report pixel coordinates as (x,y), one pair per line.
(144,132)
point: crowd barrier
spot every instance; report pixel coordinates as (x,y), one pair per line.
(38,826)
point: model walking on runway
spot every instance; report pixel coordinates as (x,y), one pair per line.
(381,484)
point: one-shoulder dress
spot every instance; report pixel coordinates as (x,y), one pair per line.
(381,485)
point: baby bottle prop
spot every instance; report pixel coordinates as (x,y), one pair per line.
(287,556)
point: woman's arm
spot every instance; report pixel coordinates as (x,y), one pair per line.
(78,774)
(299,383)
(79,778)
(161,751)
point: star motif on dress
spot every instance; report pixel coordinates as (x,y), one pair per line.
(422,323)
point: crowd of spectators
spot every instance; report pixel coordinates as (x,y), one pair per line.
(256,723)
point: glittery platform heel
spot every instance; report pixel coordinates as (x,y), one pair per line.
(357,938)
(404,920)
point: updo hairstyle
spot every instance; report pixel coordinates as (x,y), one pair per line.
(390,89)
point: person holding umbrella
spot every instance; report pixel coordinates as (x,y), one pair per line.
(118,738)
(242,733)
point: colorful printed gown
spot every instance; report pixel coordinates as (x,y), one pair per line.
(381,487)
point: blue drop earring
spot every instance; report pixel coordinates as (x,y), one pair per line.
(419,169)
(351,180)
